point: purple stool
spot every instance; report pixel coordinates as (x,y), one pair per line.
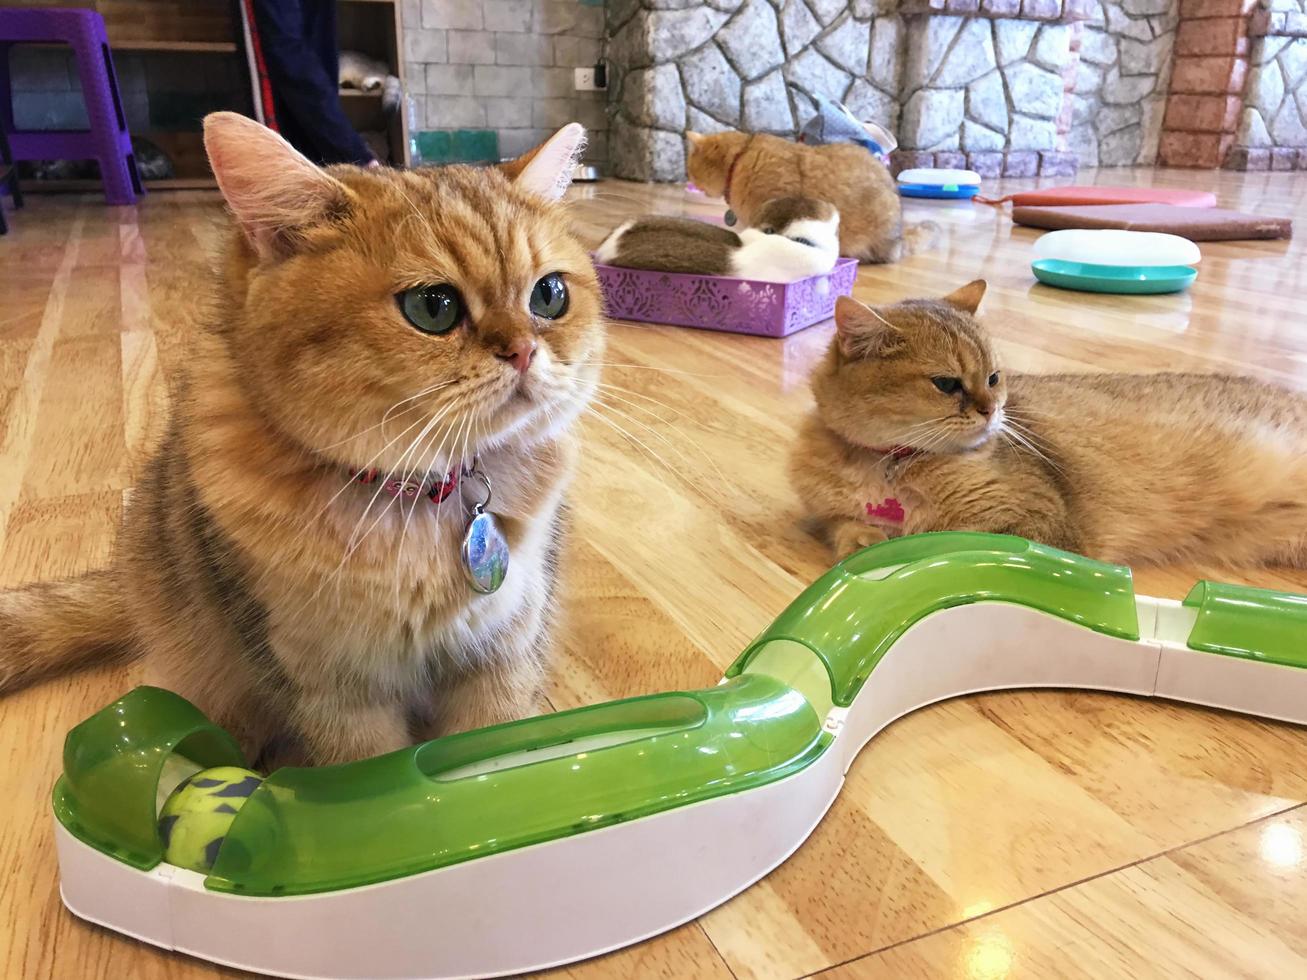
(107,140)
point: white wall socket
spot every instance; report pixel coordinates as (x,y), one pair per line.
(585,80)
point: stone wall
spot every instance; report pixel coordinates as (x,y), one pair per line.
(1122,81)
(987,94)
(740,64)
(1272,132)
(502,72)
(981,83)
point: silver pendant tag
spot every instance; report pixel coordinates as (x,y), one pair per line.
(484,552)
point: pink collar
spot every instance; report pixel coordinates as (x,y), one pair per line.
(436,488)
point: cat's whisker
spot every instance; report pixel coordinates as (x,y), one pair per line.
(659,370)
(1020,438)
(351,544)
(724,480)
(431,464)
(389,414)
(421,394)
(417,499)
(310,523)
(655,457)
(604,386)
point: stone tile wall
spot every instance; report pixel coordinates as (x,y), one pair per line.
(1121,83)
(982,83)
(741,64)
(1272,129)
(988,94)
(504,67)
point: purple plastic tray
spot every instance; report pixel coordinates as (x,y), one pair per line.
(768,309)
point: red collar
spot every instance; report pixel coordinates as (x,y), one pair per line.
(730,171)
(730,175)
(436,488)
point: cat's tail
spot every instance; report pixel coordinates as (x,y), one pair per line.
(51,627)
(920,237)
(391,94)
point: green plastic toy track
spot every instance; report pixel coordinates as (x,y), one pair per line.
(466,796)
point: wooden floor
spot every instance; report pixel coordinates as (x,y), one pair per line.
(1009,835)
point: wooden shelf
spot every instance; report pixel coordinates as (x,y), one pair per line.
(198,47)
(353,93)
(91,186)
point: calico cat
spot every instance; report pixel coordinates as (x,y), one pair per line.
(385,350)
(750,170)
(795,238)
(358,71)
(918,428)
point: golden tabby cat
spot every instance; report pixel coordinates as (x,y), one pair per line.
(918,428)
(750,170)
(383,350)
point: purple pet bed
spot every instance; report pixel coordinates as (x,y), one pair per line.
(768,309)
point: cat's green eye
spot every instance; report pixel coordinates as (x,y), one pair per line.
(950,386)
(432,309)
(993,379)
(549,297)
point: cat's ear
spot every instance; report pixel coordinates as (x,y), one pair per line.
(967,299)
(694,138)
(547,170)
(274,191)
(861,331)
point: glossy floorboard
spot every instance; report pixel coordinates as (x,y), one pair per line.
(1010,835)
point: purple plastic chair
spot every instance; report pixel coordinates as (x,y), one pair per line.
(108,140)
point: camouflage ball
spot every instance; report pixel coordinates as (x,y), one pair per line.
(195,819)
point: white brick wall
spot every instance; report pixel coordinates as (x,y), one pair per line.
(506,65)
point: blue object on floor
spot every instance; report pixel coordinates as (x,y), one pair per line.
(945,191)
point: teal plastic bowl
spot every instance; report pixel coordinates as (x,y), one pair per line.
(1136,279)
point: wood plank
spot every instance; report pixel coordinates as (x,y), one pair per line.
(1029,834)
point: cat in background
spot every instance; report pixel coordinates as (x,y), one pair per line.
(383,351)
(366,74)
(794,238)
(917,427)
(151,164)
(750,170)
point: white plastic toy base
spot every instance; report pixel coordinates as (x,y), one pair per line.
(1112,246)
(569,899)
(939,177)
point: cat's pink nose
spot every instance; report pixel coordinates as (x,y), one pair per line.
(519,353)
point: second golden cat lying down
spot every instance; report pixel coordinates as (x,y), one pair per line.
(918,428)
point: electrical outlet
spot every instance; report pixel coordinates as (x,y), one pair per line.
(585,81)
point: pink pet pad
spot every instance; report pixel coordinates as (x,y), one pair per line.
(1094,194)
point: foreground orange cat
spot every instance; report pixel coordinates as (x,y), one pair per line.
(918,428)
(750,170)
(386,352)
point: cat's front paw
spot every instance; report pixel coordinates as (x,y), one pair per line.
(854,536)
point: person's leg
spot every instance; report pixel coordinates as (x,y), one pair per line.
(306,94)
